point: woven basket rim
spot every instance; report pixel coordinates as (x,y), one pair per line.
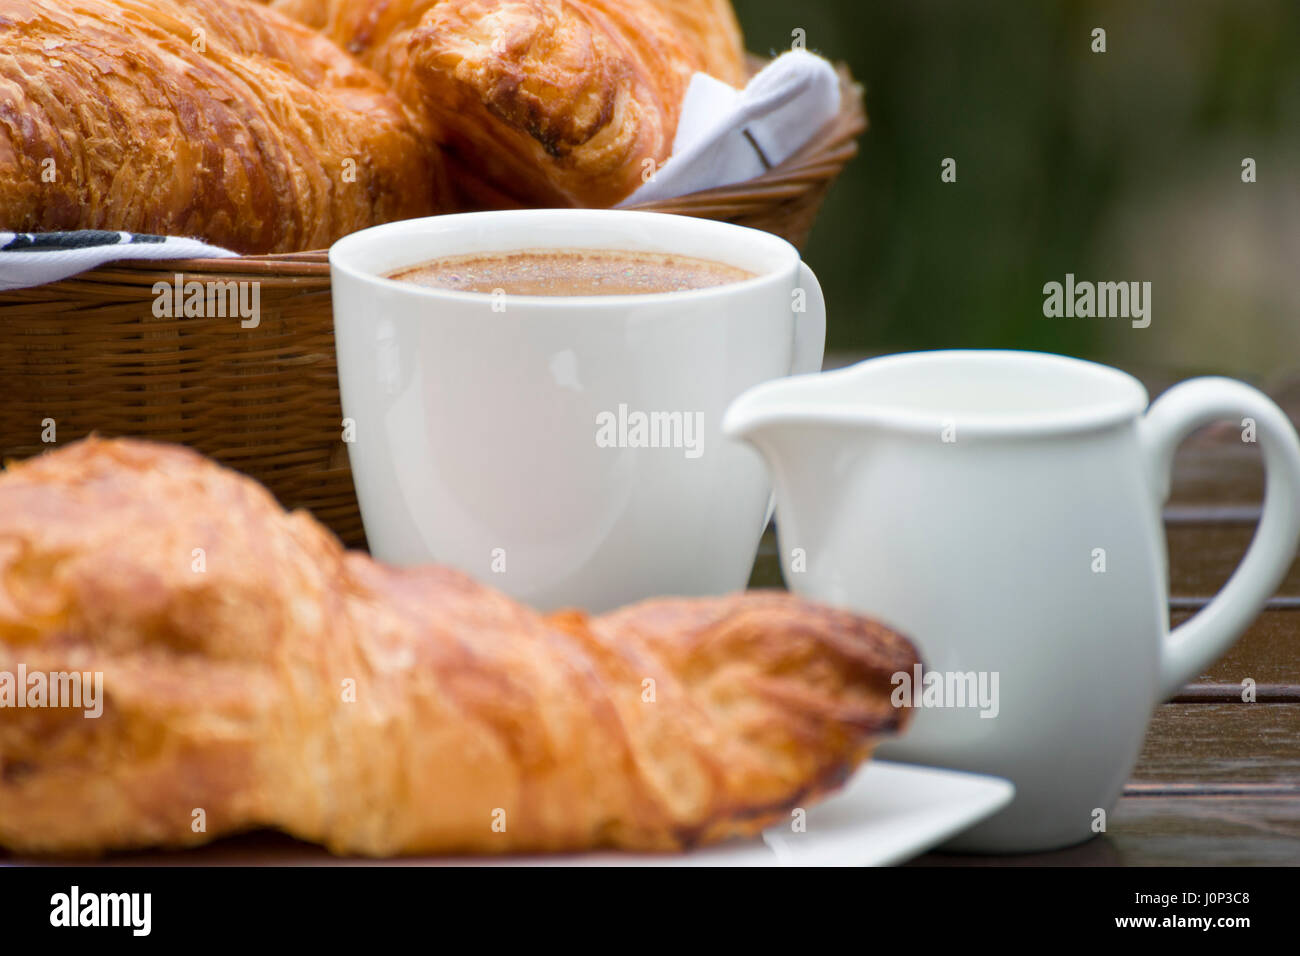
(820,159)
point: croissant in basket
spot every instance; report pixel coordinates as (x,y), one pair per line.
(256,674)
(541,102)
(363,26)
(212,118)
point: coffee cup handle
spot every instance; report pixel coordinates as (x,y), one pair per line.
(809,340)
(809,325)
(1196,643)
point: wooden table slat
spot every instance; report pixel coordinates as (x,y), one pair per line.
(1233,694)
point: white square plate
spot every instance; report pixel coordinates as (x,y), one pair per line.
(888,813)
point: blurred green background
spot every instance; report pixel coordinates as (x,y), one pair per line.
(1116,166)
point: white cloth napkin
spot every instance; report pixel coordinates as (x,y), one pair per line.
(727,135)
(28,259)
(724,136)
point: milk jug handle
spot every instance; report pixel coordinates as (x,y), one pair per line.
(1194,645)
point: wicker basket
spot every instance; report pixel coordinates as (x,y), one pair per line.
(88,353)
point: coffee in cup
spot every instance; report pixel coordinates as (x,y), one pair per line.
(572,272)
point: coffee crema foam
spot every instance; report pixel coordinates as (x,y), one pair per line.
(552,272)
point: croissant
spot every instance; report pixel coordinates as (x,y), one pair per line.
(710,26)
(219,119)
(254,674)
(540,102)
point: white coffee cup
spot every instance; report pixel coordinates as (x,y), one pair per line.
(482,424)
(1003,510)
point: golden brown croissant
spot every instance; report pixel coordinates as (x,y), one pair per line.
(255,674)
(211,118)
(539,102)
(710,26)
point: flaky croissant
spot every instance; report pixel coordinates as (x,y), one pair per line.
(255,674)
(539,102)
(219,119)
(709,26)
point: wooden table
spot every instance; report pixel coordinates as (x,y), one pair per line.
(1218,781)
